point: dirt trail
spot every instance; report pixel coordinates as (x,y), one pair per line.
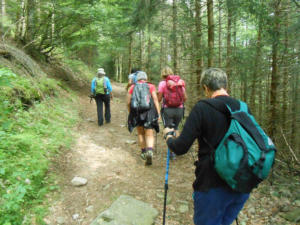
(112,165)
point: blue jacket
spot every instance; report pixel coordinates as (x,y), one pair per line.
(107,82)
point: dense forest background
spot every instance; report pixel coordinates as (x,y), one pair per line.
(256,42)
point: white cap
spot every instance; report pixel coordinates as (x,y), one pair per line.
(101,71)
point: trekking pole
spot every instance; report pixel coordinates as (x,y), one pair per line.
(166,183)
(91,98)
(166,186)
(155,142)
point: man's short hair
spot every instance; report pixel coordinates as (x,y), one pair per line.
(214,79)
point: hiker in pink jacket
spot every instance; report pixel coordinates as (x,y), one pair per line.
(171,91)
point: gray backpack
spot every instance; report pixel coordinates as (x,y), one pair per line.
(141,97)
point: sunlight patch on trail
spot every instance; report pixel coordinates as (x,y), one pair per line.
(93,157)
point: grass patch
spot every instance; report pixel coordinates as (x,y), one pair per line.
(35,124)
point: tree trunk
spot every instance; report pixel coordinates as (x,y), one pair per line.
(120,68)
(38,11)
(175,53)
(275,76)
(228,54)
(130,53)
(210,21)
(21,22)
(260,106)
(117,67)
(295,114)
(266,109)
(141,50)
(3,8)
(162,55)
(245,88)
(52,25)
(2,16)
(220,35)
(285,99)
(198,43)
(256,70)
(149,56)
(30,20)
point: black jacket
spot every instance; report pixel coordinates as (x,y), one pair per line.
(208,126)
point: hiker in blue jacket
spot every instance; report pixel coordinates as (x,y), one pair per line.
(102,91)
(215,203)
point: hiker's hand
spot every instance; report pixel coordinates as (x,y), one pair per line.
(168,132)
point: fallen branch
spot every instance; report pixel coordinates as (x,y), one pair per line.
(291,150)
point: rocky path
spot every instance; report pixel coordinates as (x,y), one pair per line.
(108,157)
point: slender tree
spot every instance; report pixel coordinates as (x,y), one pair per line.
(149,49)
(229,27)
(162,44)
(285,99)
(30,20)
(3,14)
(275,75)
(220,34)
(198,42)
(256,69)
(141,50)
(130,52)
(174,34)
(210,22)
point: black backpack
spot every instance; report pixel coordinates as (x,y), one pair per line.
(141,98)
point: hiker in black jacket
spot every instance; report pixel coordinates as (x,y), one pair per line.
(214,202)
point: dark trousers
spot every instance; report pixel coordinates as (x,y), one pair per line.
(100,99)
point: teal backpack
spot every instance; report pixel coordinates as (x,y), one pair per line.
(245,155)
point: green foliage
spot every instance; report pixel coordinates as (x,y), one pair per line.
(29,136)
(80,68)
(6,76)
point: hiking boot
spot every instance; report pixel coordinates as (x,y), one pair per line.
(143,154)
(149,155)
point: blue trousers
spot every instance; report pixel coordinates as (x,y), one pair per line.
(218,206)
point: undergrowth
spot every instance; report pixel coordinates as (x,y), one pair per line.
(35,124)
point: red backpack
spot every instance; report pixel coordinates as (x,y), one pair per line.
(174,94)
